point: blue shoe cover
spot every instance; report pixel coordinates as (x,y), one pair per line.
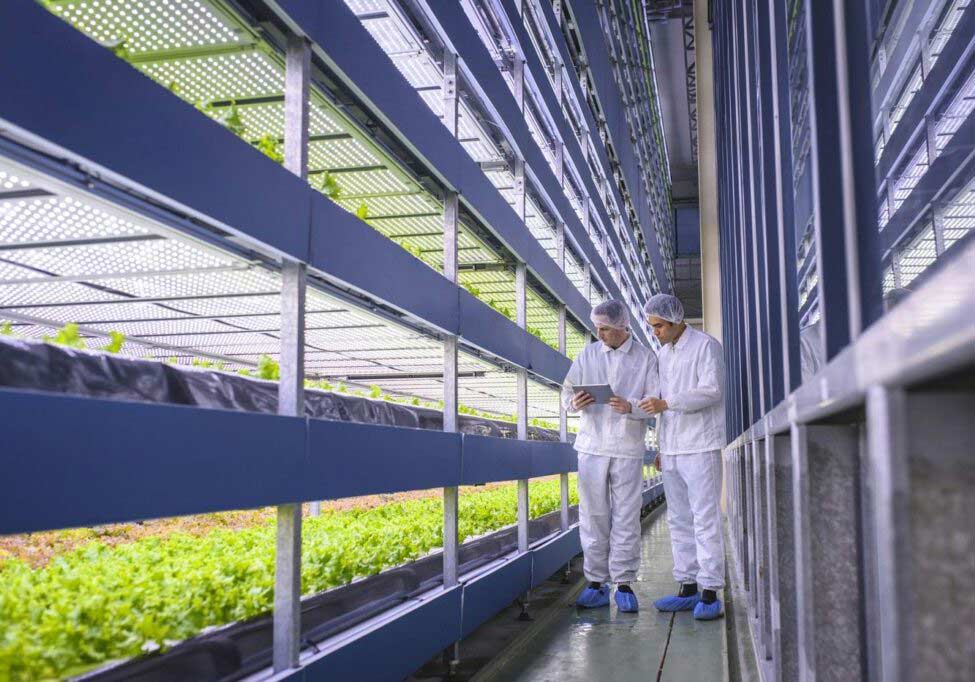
(675,603)
(591,598)
(627,602)
(707,611)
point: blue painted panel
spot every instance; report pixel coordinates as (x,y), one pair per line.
(488,329)
(346,248)
(546,361)
(111,461)
(347,459)
(487,459)
(552,556)
(99,107)
(490,593)
(396,649)
(552,458)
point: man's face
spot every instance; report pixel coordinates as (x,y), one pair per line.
(611,336)
(665,331)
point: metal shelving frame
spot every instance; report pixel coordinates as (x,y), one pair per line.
(841,488)
(143,213)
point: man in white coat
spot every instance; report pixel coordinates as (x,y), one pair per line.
(690,435)
(611,444)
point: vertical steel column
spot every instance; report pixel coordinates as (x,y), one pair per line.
(844,196)
(753,215)
(826,485)
(560,244)
(788,290)
(782,558)
(291,387)
(563,434)
(751,549)
(938,223)
(521,306)
(521,286)
(450,378)
(888,466)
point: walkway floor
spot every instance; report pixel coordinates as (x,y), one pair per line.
(604,645)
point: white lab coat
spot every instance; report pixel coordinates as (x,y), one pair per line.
(631,371)
(611,448)
(692,383)
(690,435)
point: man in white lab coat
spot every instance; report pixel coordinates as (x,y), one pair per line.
(690,435)
(611,444)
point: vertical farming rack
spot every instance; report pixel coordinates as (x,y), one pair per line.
(413,196)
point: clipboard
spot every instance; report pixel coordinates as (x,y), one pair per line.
(601,392)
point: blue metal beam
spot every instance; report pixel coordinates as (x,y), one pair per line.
(114,461)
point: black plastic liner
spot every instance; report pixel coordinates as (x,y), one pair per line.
(47,367)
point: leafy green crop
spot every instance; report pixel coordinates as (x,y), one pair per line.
(117,339)
(363,211)
(271,148)
(67,336)
(6,329)
(329,186)
(99,603)
(268,368)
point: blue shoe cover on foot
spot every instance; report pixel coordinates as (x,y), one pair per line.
(591,598)
(627,602)
(675,603)
(707,611)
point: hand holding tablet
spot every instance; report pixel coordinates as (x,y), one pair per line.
(601,393)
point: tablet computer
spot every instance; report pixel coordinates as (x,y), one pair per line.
(601,392)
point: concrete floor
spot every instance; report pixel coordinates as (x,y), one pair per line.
(608,646)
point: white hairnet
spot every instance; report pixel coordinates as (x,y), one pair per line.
(610,314)
(666,307)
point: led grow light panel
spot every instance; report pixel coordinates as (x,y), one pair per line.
(913,172)
(10,181)
(917,256)
(369,183)
(267,118)
(59,218)
(393,36)
(145,26)
(417,68)
(959,215)
(956,113)
(219,77)
(342,153)
(99,260)
(36,297)
(940,36)
(402,205)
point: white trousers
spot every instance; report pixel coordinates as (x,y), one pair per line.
(610,499)
(692,484)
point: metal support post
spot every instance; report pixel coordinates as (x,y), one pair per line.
(518,171)
(587,272)
(563,434)
(450,391)
(450,92)
(521,283)
(286,634)
(938,223)
(826,486)
(518,76)
(291,401)
(560,244)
